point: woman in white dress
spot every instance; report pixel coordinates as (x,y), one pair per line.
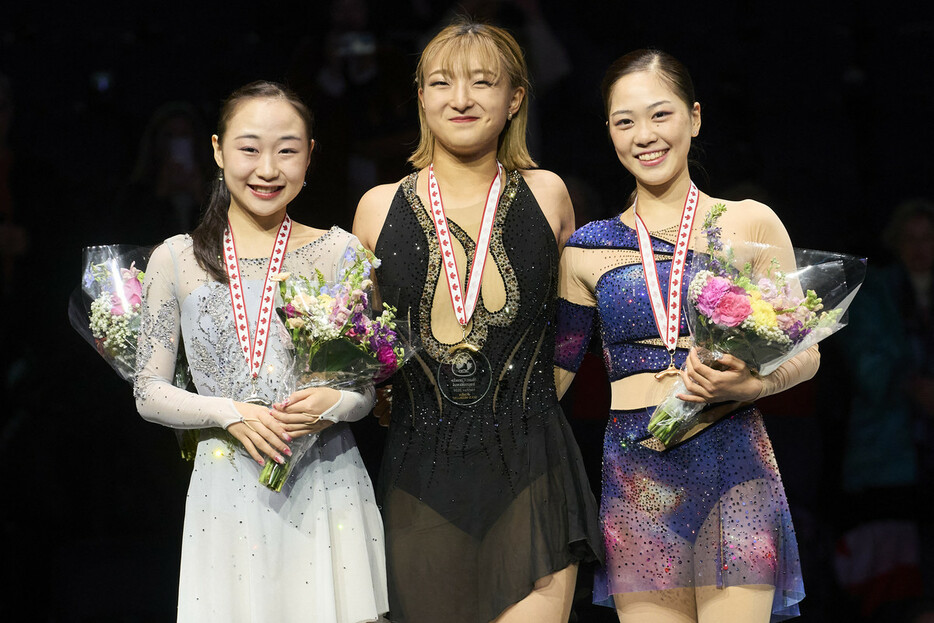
(314,550)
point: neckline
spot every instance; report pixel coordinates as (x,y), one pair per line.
(652,232)
(295,250)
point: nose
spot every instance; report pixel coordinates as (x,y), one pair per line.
(645,133)
(267,167)
(461,98)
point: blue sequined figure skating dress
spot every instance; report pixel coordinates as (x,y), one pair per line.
(710,512)
(479,501)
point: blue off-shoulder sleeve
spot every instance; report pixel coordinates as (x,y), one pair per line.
(574,329)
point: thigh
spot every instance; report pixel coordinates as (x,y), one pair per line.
(752,603)
(431,564)
(549,601)
(674,605)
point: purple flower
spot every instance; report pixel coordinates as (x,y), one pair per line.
(386,355)
(711,294)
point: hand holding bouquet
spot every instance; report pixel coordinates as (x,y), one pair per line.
(339,340)
(762,319)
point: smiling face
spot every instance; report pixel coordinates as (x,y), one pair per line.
(466,105)
(264,154)
(651,128)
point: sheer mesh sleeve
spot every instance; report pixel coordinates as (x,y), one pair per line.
(757,222)
(157,399)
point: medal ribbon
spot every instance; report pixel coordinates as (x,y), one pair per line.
(667,322)
(464,308)
(255,350)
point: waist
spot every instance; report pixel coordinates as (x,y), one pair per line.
(632,424)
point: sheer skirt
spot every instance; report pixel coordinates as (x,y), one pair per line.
(711,512)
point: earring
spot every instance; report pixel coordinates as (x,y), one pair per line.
(304,184)
(509,116)
(220,175)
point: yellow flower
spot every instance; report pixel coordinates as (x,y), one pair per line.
(763,314)
(281,276)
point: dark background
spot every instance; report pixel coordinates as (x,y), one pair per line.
(822,110)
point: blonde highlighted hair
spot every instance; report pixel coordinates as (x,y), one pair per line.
(498,53)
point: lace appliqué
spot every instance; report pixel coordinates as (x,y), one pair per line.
(160,329)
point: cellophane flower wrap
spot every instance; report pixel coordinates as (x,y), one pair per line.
(105,311)
(339,339)
(764,318)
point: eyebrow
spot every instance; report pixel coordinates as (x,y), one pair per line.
(475,72)
(287,137)
(629,112)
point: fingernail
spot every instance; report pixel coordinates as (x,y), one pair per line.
(286,437)
(288,452)
(279,459)
(262,462)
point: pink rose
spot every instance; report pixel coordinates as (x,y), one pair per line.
(732,309)
(132,291)
(711,294)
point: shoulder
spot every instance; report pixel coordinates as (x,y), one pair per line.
(595,234)
(379,197)
(302,234)
(544,184)
(554,201)
(372,210)
(744,209)
(173,247)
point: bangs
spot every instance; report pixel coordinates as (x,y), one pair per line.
(461,55)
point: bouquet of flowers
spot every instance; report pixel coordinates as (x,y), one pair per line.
(105,311)
(338,338)
(762,319)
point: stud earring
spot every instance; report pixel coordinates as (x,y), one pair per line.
(220,175)
(304,184)
(509,116)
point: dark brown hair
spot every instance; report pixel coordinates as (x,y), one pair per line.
(208,236)
(664,65)
(668,69)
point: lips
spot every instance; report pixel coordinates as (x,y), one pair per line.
(463,119)
(265,192)
(652,157)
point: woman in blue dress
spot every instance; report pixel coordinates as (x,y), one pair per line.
(701,531)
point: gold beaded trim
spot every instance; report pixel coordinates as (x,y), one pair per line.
(482,318)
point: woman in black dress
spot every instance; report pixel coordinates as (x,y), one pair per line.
(486,503)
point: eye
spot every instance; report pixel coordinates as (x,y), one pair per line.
(437,83)
(661,114)
(249,149)
(484,83)
(622,123)
(288,150)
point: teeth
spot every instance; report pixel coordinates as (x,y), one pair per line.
(651,155)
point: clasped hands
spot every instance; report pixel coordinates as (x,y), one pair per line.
(728,379)
(267,430)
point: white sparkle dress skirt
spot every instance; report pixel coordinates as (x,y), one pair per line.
(312,552)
